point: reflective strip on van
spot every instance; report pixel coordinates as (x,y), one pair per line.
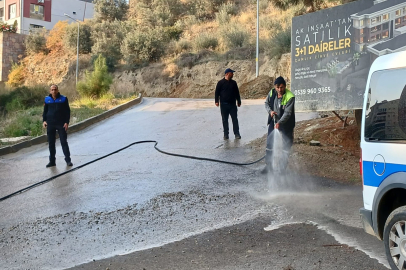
(371,178)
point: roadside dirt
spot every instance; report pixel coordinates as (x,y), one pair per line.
(337,156)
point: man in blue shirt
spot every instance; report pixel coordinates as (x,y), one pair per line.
(56,117)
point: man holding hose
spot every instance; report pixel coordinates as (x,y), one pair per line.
(280,105)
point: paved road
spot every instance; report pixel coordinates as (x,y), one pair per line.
(140,199)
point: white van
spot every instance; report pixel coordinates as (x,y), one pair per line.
(383,156)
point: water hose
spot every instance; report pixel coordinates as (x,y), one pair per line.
(117,151)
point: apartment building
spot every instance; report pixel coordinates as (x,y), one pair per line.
(379,23)
(31,14)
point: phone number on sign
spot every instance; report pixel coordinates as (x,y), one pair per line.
(319,90)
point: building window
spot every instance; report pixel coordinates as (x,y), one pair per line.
(35,26)
(361,31)
(12,11)
(1,12)
(404,10)
(376,28)
(385,26)
(36,12)
(398,12)
(385,34)
(397,23)
(385,17)
(361,39)
(375,20)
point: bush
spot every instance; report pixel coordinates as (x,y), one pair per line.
(54,41)
(279,44)
(107,38)
(36,42)
(98,82)
(85,38)
(142,46)
(111,10)
(205,41)
(23,97)
(235,38)
(225,12)
(17,76)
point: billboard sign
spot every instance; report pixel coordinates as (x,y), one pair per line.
(333,49)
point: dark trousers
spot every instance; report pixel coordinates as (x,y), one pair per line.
(63,136)
(226,110)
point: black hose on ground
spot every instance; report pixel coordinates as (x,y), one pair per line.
(115,152)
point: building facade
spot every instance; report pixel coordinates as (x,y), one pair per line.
(379,23)
(34,14)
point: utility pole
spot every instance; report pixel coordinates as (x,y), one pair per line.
(257,57)
(77,49)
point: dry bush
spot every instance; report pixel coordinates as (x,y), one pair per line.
(54,41)
(171,70)
(16,77)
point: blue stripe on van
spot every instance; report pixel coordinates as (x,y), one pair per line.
(374,180)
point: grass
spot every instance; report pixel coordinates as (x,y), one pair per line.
(28,122)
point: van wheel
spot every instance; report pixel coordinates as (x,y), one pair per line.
(394,237)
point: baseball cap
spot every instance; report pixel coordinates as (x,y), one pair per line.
(228,70)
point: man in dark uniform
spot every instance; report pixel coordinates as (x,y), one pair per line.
(227,96)
(56,117)
(280,105)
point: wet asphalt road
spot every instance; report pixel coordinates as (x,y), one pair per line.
(139,199)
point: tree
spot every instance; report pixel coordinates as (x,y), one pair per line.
(312,5)
(110,10)
(98,82)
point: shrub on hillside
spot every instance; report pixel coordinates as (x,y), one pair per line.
(107,38)
(17,76)
(205,41)
(35,42)
(96,83)
(111,10)
(54,40)
(85,38)
(279,44)
(235,38)
(23,97)
(225,12)
(142,46)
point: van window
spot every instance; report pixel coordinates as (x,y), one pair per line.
(385,115)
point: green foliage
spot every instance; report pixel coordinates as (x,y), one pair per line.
(142,46)
(206,41)
(36,42)
(312,5)
(279,44)
(107,38)
(28,123)
(85,38)
(22,97)
(111,10)
(98,82)
(235,38)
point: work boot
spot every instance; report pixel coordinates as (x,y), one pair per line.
(237,136)
(225,137)
(70,164)
(51,164)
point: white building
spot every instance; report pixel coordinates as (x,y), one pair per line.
(43,13)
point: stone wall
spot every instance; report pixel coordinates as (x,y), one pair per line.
(12,49)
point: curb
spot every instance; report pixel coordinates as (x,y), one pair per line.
(74,128)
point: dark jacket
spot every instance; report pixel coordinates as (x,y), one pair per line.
(227,92)
(56,112)
(286,120)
